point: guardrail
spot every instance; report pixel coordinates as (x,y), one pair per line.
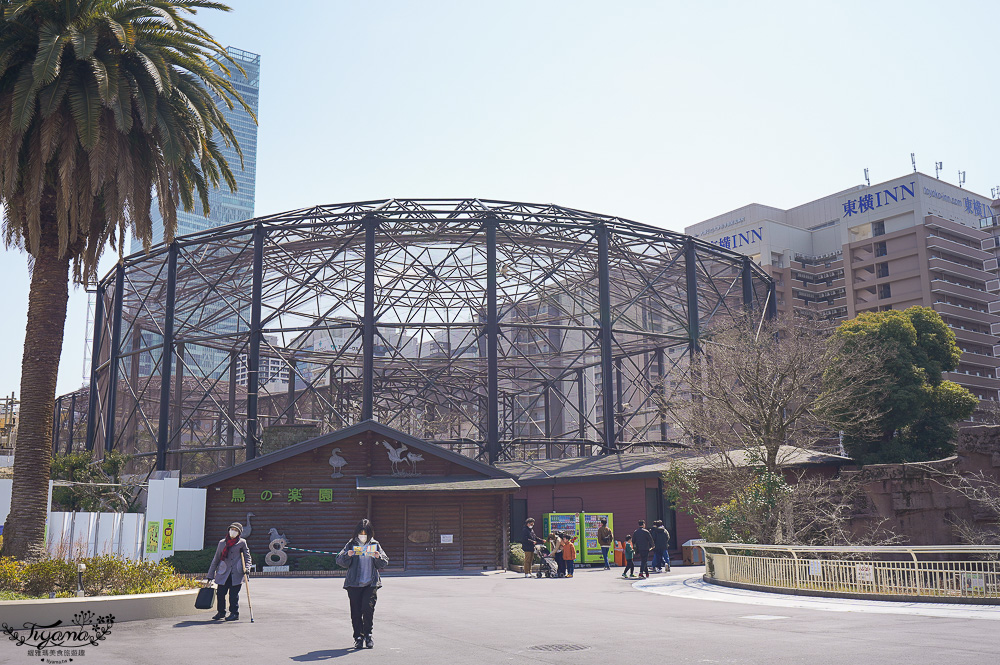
(939,574)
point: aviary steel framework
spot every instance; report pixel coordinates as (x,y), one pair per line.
(501,330)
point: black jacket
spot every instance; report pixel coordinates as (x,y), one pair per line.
(642,541)
(528,539)
(661,537)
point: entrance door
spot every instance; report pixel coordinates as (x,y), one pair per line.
(433,537)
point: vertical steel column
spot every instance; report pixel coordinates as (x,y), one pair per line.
(547,427)
(691,270)
(72,418)
(661,372)
(290,393)
(581,403)
(619,402)
(607,385)
(57,412)
(95,361)
(492,345)
(177,415)
(253,361)
(116,339)
(747,279)
(368,324)
(231,427)
(166,357)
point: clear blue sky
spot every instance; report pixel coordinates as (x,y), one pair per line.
(663,112)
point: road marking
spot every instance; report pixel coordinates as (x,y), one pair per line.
(693,587)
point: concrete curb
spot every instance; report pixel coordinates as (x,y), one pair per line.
(134,607)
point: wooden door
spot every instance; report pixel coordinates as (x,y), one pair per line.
(433,537)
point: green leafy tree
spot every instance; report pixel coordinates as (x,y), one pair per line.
(921,407)
(102,102)
(97,485)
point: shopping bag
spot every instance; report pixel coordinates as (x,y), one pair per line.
(205,599)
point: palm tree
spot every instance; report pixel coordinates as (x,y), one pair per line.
(101,101)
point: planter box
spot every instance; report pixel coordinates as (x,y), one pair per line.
(124,608)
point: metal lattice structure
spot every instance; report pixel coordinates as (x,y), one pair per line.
(501,330)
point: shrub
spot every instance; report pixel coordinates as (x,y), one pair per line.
(317,562)
(38,578)
(105,575)
(192,562)
(516,557)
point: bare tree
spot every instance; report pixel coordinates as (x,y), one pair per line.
(734,501)
(768,384)
(983,494)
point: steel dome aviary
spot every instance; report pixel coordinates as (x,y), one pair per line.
(498,329)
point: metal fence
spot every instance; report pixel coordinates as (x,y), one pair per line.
(956,572)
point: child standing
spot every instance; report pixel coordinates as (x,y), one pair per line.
(629,558)
(569,554)
(557,552)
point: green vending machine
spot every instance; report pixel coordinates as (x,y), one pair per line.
(566,522)
(589,549)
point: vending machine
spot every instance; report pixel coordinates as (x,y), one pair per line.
(567,523)
(589,549)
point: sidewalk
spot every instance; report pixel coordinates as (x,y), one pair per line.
(502,617)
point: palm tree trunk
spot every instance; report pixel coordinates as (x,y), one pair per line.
(24,531)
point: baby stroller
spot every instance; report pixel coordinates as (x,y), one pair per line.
(546,563)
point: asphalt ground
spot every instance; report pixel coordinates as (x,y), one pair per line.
(595,617)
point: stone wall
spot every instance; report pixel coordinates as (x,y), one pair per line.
(914,499)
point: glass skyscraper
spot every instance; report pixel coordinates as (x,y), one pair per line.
(226,206)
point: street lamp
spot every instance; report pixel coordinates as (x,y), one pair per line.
(80,567)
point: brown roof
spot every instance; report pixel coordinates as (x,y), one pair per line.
(644,465)
(435,484)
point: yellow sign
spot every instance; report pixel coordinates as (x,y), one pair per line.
(152,537)
(168,535)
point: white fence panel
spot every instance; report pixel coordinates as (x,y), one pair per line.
(190,519)
(78,535)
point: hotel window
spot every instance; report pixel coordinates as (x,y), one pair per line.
(881,269)
(880,249)
(878,228)
(884,291)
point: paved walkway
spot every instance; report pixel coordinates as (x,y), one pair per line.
(500,617)
(694,587)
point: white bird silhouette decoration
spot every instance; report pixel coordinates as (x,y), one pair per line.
(248,529)
(413,458)
(338,463)
(395,455)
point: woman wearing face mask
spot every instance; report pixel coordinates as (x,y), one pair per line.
(229,567)
(363,557)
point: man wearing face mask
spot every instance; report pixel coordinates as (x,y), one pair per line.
(363,557)
(229,567)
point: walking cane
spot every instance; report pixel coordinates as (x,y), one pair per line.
(249,603)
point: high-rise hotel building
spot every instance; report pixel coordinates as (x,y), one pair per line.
(226,206)
(914,240)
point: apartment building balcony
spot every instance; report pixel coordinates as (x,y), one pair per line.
(950,267)
(990,362)
(954,228)
(957,290)
(973,380)
(957,248)
(964,313)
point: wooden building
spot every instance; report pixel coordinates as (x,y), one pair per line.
(629,486)
(432,509)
